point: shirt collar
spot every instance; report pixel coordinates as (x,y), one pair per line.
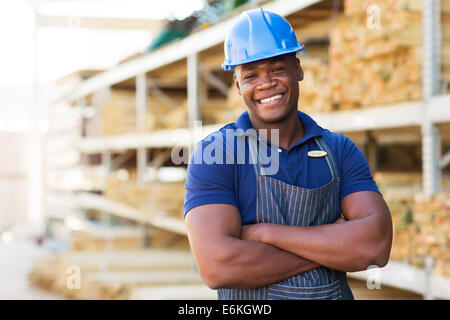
(312,129)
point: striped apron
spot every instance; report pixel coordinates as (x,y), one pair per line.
(282,203)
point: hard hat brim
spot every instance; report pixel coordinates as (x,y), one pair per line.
(262,56)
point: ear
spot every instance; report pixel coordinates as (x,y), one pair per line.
(299,69)
(238,86)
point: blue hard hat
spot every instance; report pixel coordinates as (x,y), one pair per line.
(258,35)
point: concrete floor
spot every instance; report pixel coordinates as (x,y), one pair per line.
(16,259)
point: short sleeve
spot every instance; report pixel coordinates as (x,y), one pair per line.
(208,183)
(355,171)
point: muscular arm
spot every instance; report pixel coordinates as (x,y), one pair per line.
(364,239)
(226,261)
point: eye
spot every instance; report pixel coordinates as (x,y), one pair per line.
(249,76)
(278,68)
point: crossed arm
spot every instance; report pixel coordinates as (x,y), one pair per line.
(229,255)
(225,260)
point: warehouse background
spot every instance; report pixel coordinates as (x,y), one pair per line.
(95,95)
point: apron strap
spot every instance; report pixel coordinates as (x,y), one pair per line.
(330,157)
(330,160)
(254,156)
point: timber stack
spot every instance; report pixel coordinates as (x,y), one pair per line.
(421,229)
(121,274)
(118,113)
(376,53)
(153,198)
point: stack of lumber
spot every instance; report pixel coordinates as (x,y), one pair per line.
(401,211)
(421,228)
(403,184)
(432,215)
(111,234)
(117,238)
(399,184)
(153,198)
(223,111)
(118,113)
(421,223)
(44,272)
(119,274)
(372,66)
(314,88)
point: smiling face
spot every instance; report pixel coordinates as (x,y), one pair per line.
(269,87)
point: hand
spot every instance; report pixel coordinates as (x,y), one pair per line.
(340,220)
(253,232)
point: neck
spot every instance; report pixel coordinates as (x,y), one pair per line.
(290,129)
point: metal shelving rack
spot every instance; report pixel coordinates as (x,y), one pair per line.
(427,115)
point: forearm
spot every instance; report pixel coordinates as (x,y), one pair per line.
(247,264)
(349,246)
(226,260)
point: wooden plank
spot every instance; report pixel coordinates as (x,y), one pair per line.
(316,29)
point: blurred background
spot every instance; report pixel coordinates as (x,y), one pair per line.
(95,95)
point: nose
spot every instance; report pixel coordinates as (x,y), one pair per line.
(266,82)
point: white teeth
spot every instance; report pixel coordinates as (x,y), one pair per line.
(267,100)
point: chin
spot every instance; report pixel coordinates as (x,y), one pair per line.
(272,119)
(273,116)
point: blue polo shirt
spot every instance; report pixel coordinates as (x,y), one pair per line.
(211,180)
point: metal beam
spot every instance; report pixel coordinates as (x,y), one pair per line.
(445,160)
(431,154)
(431,144)
(141,114)
(157,139)
(106,163)
(432,43)
(161,95)
(214,81)
(371,150)
(151,25)
(121,159)
(381,117)
(193,89)
(158,220)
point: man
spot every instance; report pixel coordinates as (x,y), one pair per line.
(280,235)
